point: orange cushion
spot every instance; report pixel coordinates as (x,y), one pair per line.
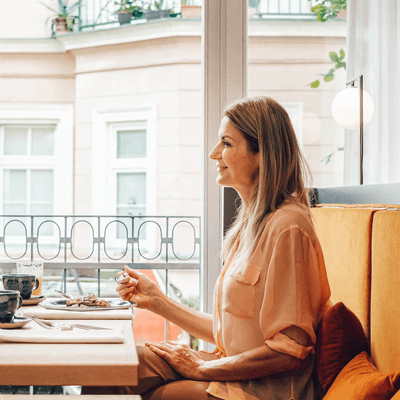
(385,293)
(340,337)
(345,236)
(360,380)
(396,396)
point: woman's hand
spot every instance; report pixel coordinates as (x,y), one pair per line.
(139,288)
(180,357)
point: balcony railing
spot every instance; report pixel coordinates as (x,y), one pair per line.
(296,9)
(73,247)
(98,14)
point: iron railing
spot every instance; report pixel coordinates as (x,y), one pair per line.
(90,243)
(98,14)
(296,9)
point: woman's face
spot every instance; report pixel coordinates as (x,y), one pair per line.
(237,167)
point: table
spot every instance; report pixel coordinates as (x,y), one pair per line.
(45,364)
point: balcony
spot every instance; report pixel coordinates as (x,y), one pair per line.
(102,14)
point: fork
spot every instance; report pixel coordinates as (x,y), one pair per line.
(45,325)
(58,325)
(122,277)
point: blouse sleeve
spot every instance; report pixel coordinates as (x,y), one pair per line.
(296,288)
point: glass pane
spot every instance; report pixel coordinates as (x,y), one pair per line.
(131,144)
(131,189)
(15,141)
(42,185)
(303,78)
(14,209)
(15,185)
(43,141)
(41,209)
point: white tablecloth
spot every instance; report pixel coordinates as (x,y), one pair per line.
(45,313)
(37,334)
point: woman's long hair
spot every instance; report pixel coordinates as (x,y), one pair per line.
(266,127)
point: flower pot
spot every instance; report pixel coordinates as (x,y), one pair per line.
(191,11)
(60,24)
(157,14)
(124,17)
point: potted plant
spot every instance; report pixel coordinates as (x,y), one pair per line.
(190,11)
(63,19)
(128,9)
(155,10)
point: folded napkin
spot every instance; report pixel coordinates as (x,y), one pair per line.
(41,335)
(46,313)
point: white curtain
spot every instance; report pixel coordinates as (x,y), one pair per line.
(373,50)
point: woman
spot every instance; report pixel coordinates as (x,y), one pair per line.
(273,288)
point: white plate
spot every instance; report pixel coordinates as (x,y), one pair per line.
(33,300)
(17,323)
(60,304)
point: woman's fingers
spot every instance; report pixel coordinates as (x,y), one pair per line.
(161,353)
(132,273)
(162,346)
(122,291)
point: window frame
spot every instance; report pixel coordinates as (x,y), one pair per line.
(61,116)
(129,165)
(105,123)
(224,65)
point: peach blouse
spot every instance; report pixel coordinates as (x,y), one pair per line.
(284,283)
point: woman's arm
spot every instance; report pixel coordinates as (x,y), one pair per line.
(197,323)
(139,288)
(255,363)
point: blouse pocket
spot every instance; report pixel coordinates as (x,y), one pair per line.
(239,291)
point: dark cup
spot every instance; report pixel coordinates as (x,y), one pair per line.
(10,301)
(24,283)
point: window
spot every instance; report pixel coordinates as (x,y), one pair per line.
(36,159)
(124,158)
(27,169)
(129,168)
(290,58)
(35,170)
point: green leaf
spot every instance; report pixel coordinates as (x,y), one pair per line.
(70,23)
(315,84)
(328,9)
(333,56)
(328,78)
(340,65)
(342,54)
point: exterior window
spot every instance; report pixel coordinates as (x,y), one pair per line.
(130,173)
(27,169)
(129,167)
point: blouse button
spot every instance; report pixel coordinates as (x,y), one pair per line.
(238,275)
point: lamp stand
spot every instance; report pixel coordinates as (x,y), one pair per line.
(352,83)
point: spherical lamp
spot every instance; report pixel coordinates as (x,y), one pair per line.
(346,108)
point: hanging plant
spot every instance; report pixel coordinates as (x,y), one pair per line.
(326,10)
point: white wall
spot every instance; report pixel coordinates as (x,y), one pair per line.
(25,19)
